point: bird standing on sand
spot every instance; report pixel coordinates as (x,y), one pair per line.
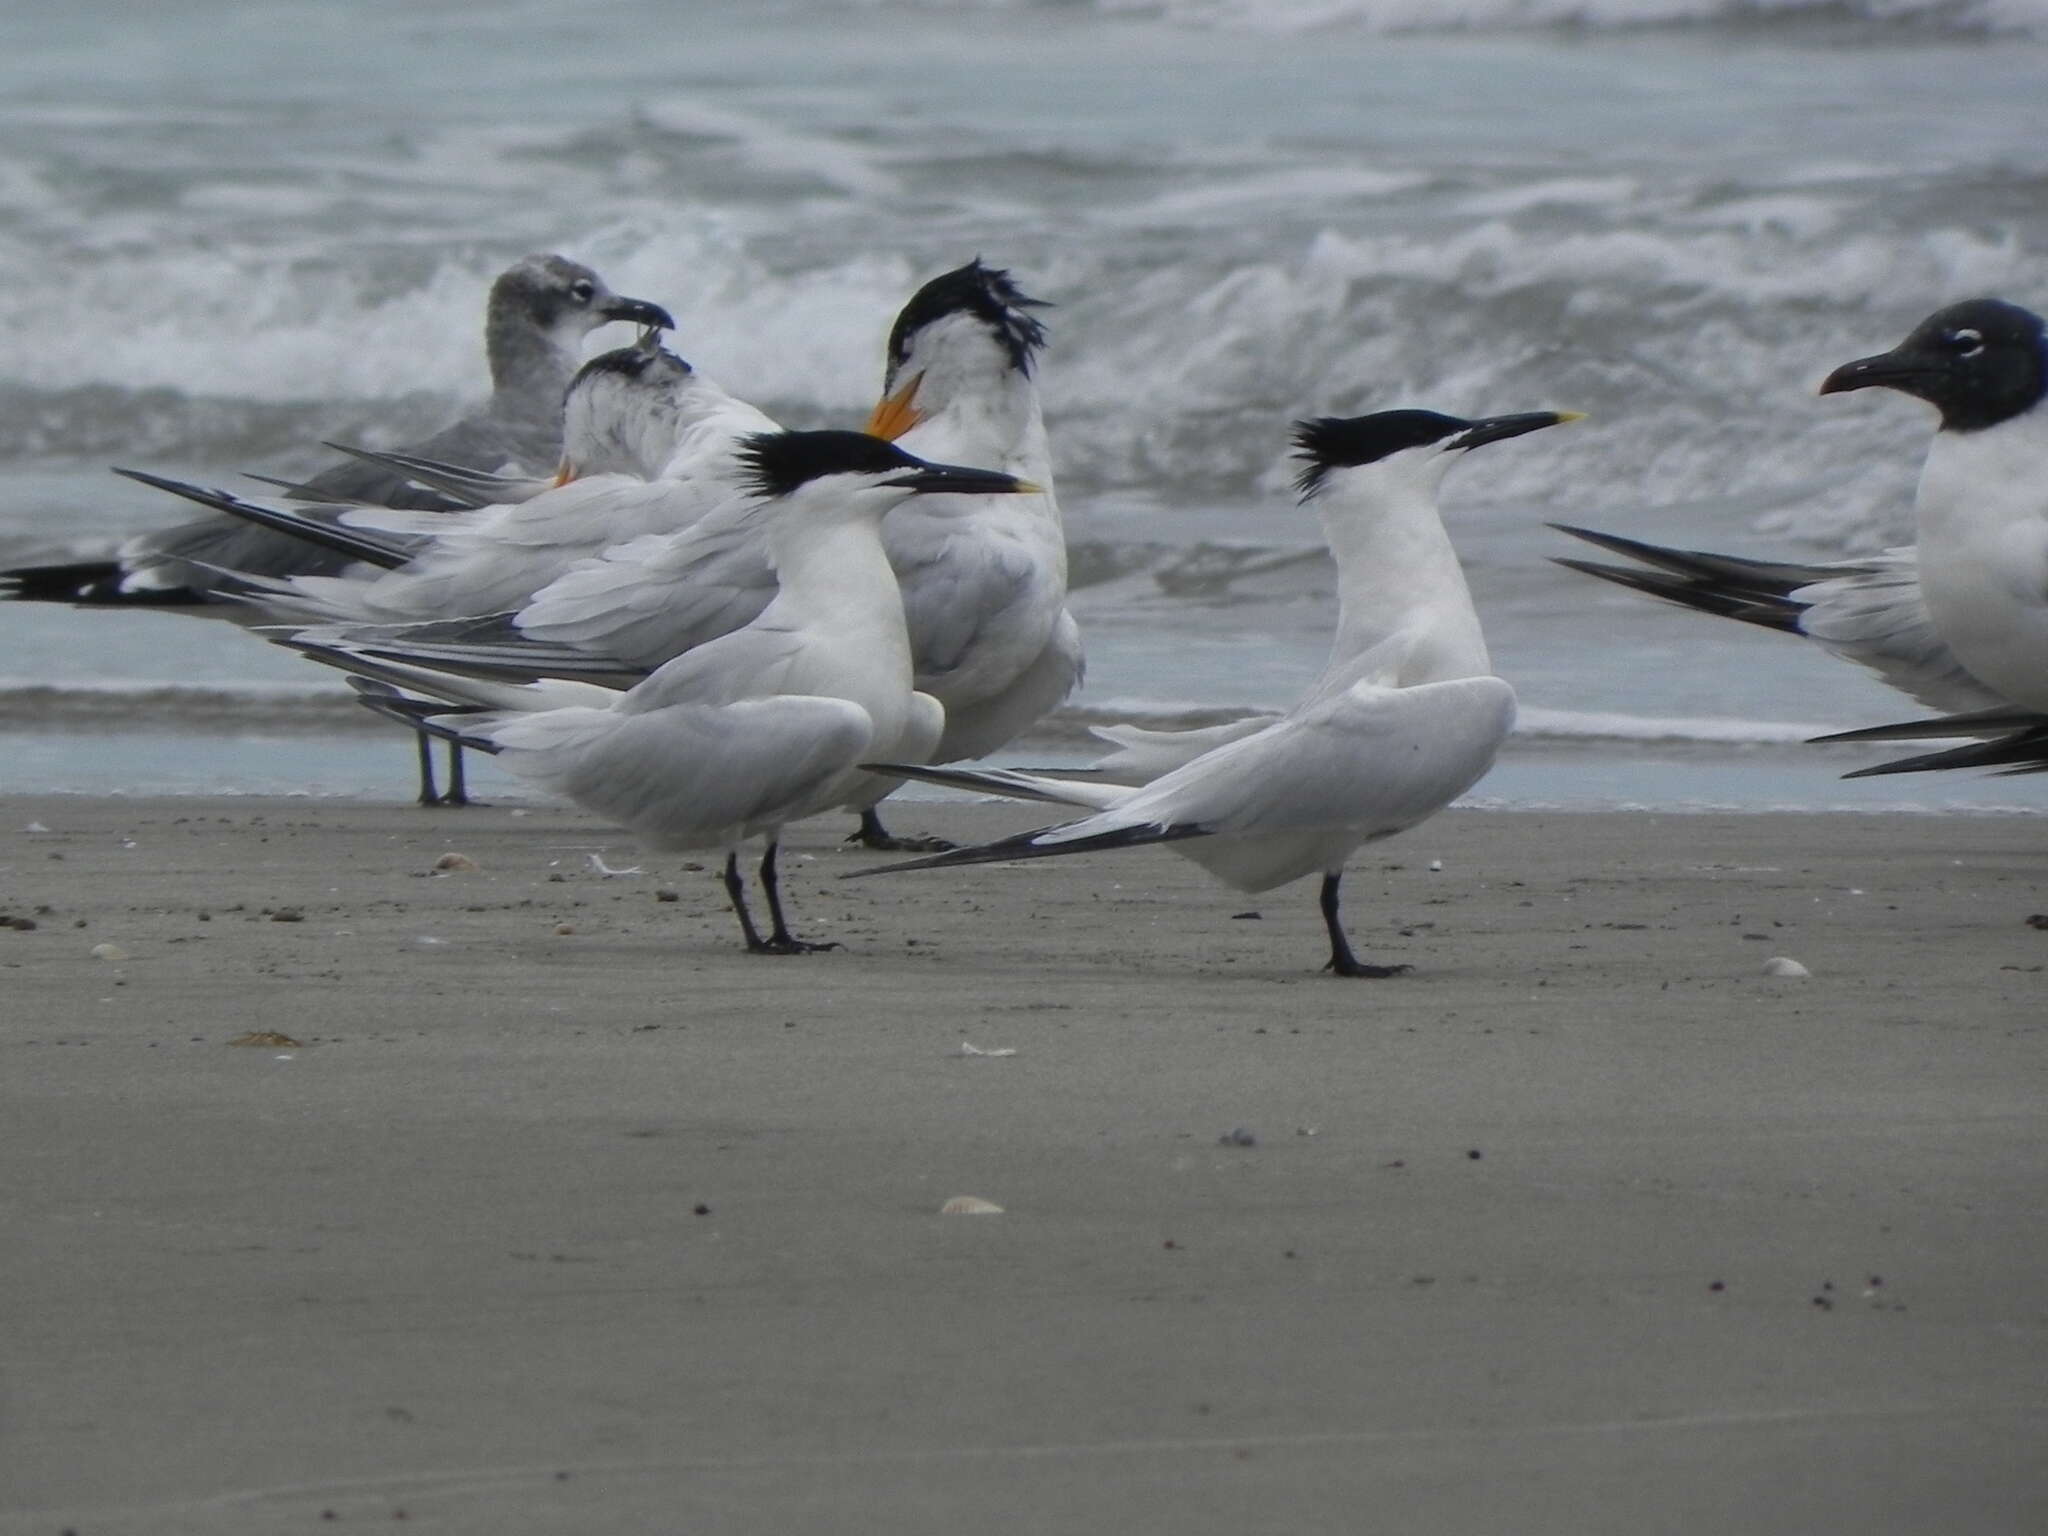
(1405,717)
(760,727)
(984,577)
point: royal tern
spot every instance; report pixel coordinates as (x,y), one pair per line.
(1405,717)
(983,576)
(760,727)
(984,579)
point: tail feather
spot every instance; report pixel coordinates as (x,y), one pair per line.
(1009,783)
(2020,753)
(1025,845)
(1754,591)
(91,584)
(490,647)
(346,541)
(463,486)
(523,698)
(428,715)
(1983,722)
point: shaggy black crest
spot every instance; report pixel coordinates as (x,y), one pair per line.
(1342,442)
(984,292)
(777,463)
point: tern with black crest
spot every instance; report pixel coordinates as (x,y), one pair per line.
(760,727)
(1406,716)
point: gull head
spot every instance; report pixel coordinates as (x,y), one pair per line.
(1403,447)
(623,412)
(565,300)
(1979,363)
(965,331)
(858,471)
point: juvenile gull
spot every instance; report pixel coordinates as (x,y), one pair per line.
(538,312)
(983,576)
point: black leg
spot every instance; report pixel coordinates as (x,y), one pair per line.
(429,795)
(781,941)
(1342,961)
(736,891)
(458,780)
(872,834)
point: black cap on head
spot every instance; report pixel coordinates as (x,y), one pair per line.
(984,292)
(1345,442)
(777,463)
(1979,363)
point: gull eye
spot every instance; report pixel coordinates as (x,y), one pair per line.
(1967,343)
(583,290)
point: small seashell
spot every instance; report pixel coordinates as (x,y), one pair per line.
(268,1037)
(1436,866)
(563,930)
(455,864)
(970,1205)
(109,952)
(1782,965)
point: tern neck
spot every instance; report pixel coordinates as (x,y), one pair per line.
(831,569)
(1396,570)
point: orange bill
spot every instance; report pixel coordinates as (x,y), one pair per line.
(897,413)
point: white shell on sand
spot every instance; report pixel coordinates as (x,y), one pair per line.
(454,864)
(970,1205)
(109,952)
(1780,965)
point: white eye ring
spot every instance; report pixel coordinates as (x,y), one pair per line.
(1970,342)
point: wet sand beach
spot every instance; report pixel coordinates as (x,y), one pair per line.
(554,1211)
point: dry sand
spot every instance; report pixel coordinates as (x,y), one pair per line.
(1585,1226)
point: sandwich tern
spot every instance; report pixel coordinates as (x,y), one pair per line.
(761,727)
(1405,717)
(983,576)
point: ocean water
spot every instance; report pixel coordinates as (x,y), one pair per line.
(233,229)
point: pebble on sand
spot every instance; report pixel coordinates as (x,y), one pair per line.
(970,1205)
